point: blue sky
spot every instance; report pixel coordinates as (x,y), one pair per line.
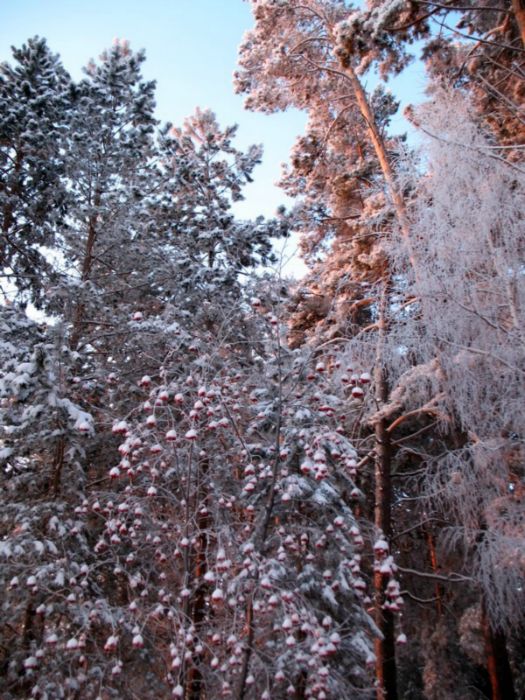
(191,48)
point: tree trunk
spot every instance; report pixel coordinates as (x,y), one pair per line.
(381,153)
(498,665)
(87,265)
(8,218)
(194,687)
(58,464)
(384,648)
(518,7)
(435,568)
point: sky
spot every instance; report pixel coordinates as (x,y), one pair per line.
(191,49)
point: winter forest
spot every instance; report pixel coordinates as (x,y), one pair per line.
(218,482)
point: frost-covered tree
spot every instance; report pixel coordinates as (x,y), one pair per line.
(262,596)
(218,552)
(34,98)
(215,550)
(202,174)
(305,55)
(470,293)
(110,147)
(43,440)
(310,55)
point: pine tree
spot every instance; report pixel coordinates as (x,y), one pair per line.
(306,55)
(310,55)
(110,146)
(34,98)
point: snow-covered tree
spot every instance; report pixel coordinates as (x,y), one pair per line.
(311,55)
(178,505)
(470,293)
(110,147)
(300,54)
(43,452)
(34,97)
(218,552)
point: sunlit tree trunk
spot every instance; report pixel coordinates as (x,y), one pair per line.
(498,666)
(518,7)
(384,647)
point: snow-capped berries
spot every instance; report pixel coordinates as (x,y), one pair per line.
(30,663)
(401,638)
(357,392)
(380,547)
(306,468)
(191,435)
(111,643)
(335,639)
(171,435)
(120,428)
(365,378)
(287,624)
(217,597)
(137,641)
(145,381)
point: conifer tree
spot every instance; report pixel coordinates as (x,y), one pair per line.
(110,147)
(34,100)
